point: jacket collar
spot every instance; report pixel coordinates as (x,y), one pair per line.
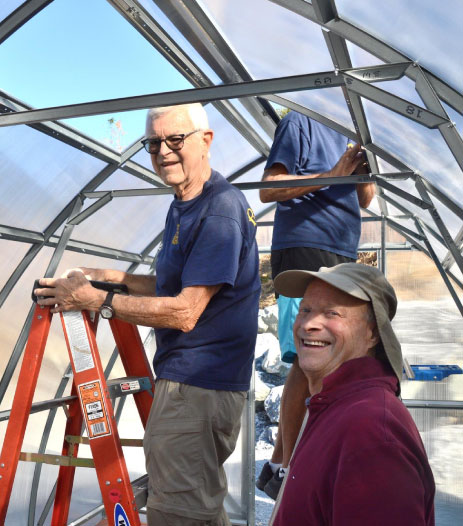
(355,375)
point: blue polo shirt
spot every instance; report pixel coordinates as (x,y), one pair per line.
(210,240)
(329,218)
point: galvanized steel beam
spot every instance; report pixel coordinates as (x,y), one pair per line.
(142,21)
(322,80)
(373,46)
(20,16)
(207,39)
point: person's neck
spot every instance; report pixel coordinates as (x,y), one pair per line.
(315,385)
(188,192)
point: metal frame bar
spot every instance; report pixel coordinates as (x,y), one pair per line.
(433,404)
(82,247)
(85,144)
(448,130)
(337,48)
(321,80)
(373,148)
(440,268)
(51,269)
(209,42)
(440,225)
(394,103)
(20,16)
(373,46)
(136,15)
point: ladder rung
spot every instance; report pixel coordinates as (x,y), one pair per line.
(129,385)
(129,442)
(57,460)
(117,387)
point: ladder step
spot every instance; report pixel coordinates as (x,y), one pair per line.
(117,387)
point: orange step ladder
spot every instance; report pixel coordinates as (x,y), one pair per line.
(89,403)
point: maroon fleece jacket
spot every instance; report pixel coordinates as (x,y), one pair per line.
(360,460)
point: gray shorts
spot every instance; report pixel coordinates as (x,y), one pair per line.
(190,434)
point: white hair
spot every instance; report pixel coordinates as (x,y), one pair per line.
(195,111)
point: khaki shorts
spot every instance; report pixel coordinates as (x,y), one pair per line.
(190,434)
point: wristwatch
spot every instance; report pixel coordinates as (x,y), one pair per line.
(107,310)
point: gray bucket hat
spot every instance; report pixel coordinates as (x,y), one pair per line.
(360,281)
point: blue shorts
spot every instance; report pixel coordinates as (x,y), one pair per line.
(287,312)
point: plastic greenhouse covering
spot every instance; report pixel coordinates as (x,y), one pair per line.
(77,189)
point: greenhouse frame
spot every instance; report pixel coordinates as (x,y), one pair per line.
(387,75)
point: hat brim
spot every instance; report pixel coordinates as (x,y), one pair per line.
(293,283)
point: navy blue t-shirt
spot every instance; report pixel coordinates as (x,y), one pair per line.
(329,218)
(207,241)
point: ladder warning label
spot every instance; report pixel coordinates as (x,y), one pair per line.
(78,341)
(94,409)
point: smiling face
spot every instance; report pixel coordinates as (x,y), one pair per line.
(187,169)
(331,328)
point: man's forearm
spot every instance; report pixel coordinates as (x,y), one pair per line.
(269,195)
(365,193)
(180,312)
(138,284)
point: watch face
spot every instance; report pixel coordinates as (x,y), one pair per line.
(106,312)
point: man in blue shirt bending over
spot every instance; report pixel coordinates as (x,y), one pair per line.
(203,303)
(314,226)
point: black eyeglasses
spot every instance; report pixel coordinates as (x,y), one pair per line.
(174,142)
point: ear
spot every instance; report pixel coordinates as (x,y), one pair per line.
(208,135)
(374,337)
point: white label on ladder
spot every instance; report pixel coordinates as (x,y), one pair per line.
(94,409)
(78,341)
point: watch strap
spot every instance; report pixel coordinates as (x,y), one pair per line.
(108,300)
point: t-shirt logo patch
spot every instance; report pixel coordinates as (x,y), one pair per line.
(251,216)
(175,238)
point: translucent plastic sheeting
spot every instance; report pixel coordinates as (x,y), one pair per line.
(252,196)
(423,149)
(442,253)
(271,41)
(39,176)
(254,124)
(125,223)
(456,272)
(179,39)
(329,102)
(441,431)
(13,315)
(454,117)
(8,6)
(451,221)
(428,323)
(371,234)
(229,150)
(416,29)
(361,58)
(121,180)
(143,158)
(16,251)
(374,206)
(403,88)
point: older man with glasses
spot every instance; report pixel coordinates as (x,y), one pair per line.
(203,303)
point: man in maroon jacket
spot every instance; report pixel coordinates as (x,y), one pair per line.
(360,459)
